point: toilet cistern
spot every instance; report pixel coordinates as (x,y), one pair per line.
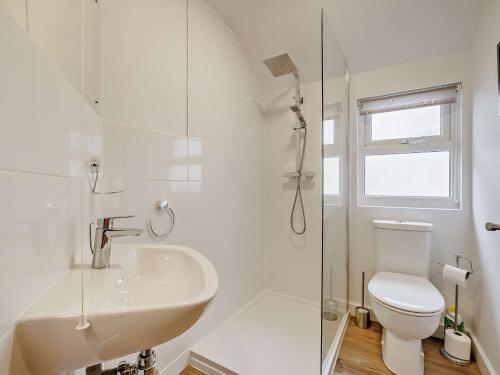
(105,232)
(407,305)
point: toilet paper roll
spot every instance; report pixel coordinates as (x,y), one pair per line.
(455,275)
(458,345)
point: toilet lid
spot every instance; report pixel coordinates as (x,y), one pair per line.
(406,292)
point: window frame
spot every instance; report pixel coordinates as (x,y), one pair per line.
(449,140)
(446,120)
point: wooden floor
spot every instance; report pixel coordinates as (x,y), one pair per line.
(191,371)
(361,354)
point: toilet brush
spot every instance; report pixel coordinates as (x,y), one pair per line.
(362,313)
(330,306)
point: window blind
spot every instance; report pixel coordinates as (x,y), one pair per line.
(412,99)
(332,111)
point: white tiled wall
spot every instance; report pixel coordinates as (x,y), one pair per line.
(143,64)
(297,259)
(210,167)
(184,118)
(47,131)
(67,31)
(57,26)
(184,122)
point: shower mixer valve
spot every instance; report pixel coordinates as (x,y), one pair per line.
(308,175)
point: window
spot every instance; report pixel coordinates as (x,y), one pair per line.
(409,149)
(331,154)
(329,132)
(331,173)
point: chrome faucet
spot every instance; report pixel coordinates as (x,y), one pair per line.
(104,233)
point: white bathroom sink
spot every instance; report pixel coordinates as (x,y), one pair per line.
(150,294)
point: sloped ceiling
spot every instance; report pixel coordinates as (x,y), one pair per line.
(378,33)
(268,28)
(371,33)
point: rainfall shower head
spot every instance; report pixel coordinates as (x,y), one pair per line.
(281,65)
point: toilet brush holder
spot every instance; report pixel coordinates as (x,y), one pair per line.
(329,305)
(330,310)
(362,314)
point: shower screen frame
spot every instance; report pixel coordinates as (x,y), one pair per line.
(335,238)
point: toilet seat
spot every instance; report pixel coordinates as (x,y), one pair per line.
(406,294)
(404,312)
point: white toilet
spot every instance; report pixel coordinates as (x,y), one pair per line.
(403,299)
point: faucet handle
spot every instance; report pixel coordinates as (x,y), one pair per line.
(107,222)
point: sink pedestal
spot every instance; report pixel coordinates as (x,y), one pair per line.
(146,365)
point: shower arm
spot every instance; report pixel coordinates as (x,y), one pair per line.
(298,97)
(300,124)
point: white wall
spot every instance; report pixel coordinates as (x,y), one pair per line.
(184,120)
(452,228)
(212,175)
(67,31)
(296,260)
(47,132)
(486,181)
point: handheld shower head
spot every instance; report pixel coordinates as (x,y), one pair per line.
(296,109)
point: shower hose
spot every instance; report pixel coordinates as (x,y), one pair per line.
(298,202)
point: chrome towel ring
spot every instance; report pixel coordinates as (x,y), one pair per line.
(162,206)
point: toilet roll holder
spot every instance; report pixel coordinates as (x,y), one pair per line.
(448,356)
(458,258)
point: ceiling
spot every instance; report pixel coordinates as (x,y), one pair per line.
(371,33)
(378,33)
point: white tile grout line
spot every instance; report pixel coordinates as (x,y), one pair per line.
(23,172)
(255,153)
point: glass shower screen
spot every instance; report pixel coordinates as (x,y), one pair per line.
(335,98)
